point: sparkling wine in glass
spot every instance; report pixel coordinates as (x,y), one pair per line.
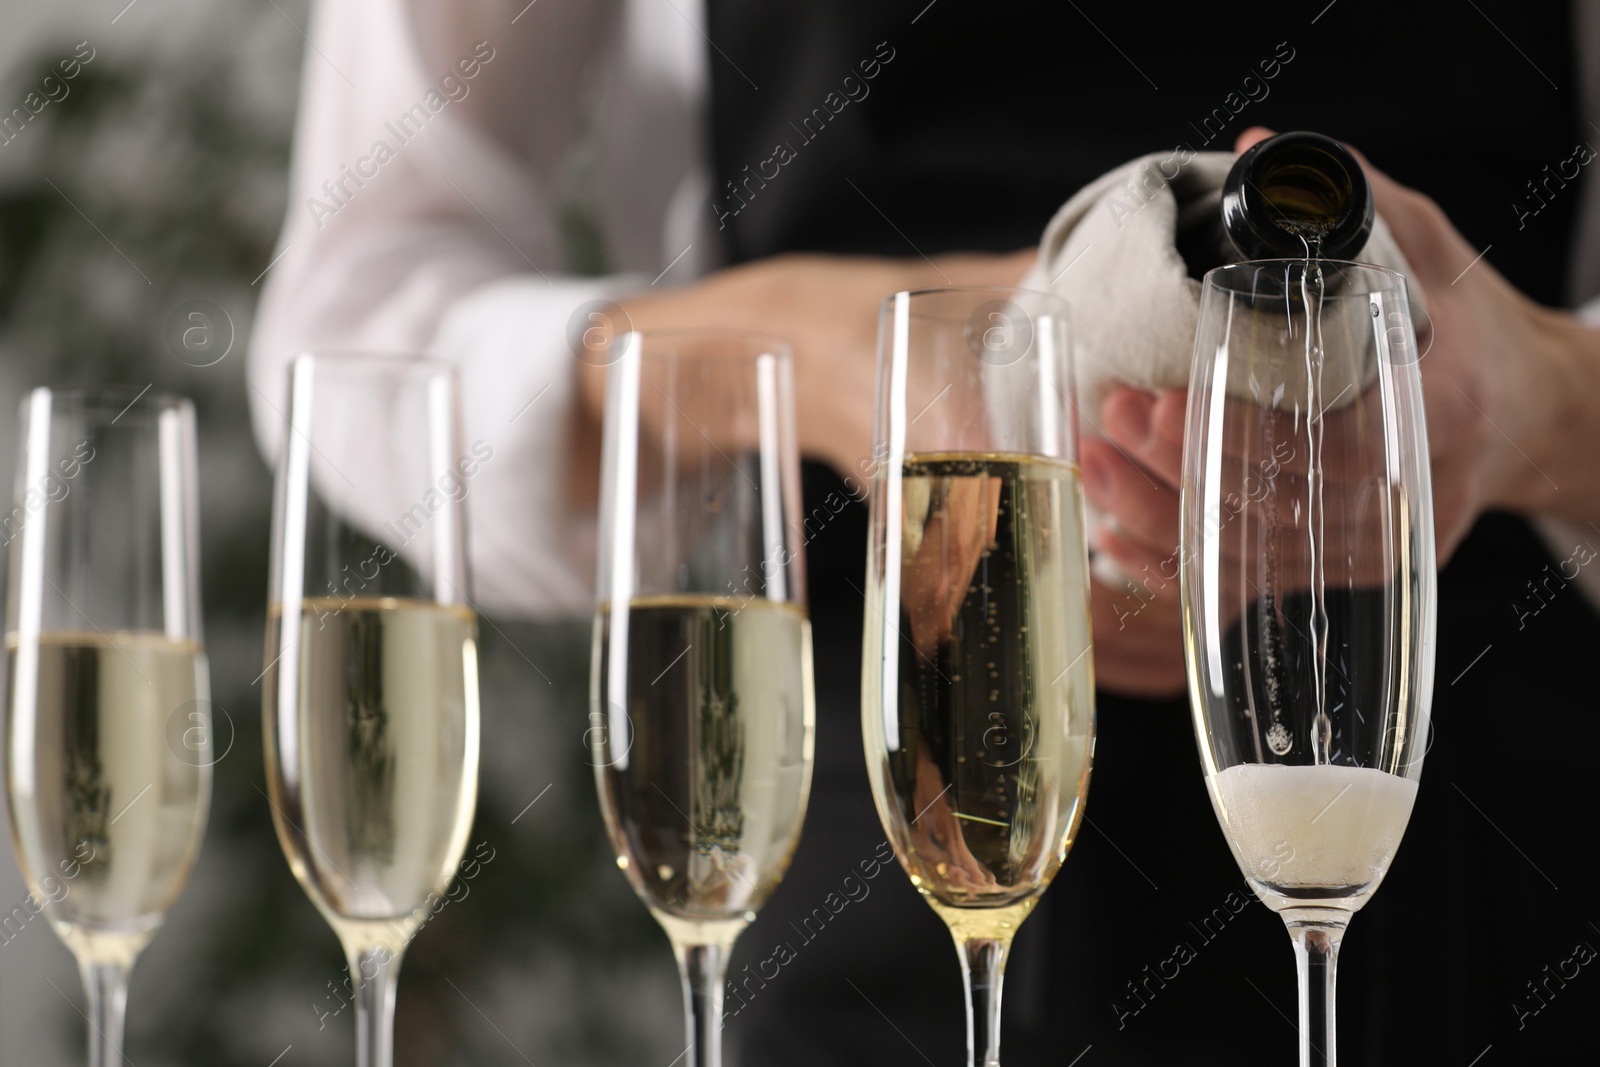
(701,693)
(1308,590)
(370,698)
(108,731)
(978,684)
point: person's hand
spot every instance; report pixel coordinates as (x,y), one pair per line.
(1133,478)
(827,308)
(1491,363)
(1500,375)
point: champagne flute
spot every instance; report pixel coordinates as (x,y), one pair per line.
(108,745)
(370,694)
(977,686)
(1308,590)
(701,697)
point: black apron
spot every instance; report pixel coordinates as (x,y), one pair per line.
(978,121)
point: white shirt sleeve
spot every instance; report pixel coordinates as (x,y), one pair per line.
(438,145)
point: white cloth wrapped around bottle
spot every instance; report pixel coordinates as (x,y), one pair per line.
(1112,253)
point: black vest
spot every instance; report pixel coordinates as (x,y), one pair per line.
(906,127)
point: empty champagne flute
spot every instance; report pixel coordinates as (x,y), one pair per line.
(108,733)
(701,710)
(977,694)
(370,693)
(1308,590)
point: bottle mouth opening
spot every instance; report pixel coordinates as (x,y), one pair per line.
(1306,189)
(1299,194)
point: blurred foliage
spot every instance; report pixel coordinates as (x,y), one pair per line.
(184,187)
(161,179)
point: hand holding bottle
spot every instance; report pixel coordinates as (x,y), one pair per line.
(1508,385)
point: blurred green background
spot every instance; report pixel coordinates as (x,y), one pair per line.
(157,180)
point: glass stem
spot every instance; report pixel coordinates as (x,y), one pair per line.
(106,983)
(983,969)
(704,968)
(375,973)
(1316,955)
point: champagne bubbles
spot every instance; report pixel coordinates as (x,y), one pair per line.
(1278,739)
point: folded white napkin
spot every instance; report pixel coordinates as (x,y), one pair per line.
(1112,253)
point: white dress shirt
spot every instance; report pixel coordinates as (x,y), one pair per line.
(450,241)
(440,149)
